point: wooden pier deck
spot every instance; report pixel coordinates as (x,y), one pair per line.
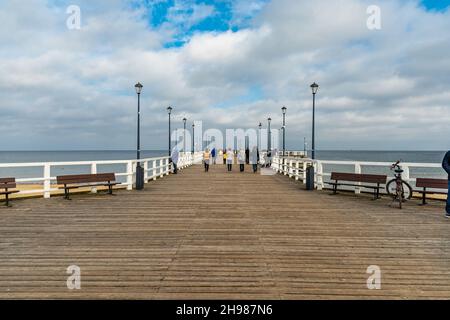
(223,236)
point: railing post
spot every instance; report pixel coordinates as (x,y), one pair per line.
(297,169)
(166,167)
(319,174)
(47,181)
(145,171)
(93,171)
(358,171)
(290,169)
(305,166)
(406,174)
(154,170)
(130,175)
(161,168)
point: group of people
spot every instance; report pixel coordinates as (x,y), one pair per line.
(229,158)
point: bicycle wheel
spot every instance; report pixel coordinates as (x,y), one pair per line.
(391,189)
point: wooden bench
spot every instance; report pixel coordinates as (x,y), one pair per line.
(378,180)
(430,183)
(86,180)
(5,185)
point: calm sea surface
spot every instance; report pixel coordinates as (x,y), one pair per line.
(61,156)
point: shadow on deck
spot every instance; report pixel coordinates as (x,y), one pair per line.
(223,236)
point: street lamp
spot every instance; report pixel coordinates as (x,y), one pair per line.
(139,169)
(269,137)
(259,136)
(169,111)
(314,88)
(193,138)
(284,109)
(184,134)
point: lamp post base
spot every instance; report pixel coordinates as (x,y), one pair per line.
(139,177)
(310,178)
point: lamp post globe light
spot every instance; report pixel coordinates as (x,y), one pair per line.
(284,110)
(169,111)
(314,89)
(139,169)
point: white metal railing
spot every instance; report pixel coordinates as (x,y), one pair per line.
(154,168)
(297,168)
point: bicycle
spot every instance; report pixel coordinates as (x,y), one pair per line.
(399,189)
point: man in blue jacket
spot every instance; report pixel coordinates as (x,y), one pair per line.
(446,166)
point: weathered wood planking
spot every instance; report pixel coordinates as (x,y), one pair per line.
(223,236)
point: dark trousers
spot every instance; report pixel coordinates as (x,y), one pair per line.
(206,167)
(175,168)
(230,167)
(255,168)
(242,167)
(448,199)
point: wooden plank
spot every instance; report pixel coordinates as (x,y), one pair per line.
(223,236)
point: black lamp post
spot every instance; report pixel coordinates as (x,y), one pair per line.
(169,111)
(269,136)
(193,138)
(284,109)
(314,88)
(139,169)
(184,134)
(259,136)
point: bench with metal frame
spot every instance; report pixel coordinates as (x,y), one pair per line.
(426,183)
(376,180)
(6,184)
(86,180)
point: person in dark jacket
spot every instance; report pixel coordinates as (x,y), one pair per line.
(446,166)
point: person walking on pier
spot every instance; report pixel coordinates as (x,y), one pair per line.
(241,160)
(254,159)
(446,166)
(206,159)
(174,159)
(224,156)
(229,159)
(213,156)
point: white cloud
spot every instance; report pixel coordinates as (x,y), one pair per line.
(379,89)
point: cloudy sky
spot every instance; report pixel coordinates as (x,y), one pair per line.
(229,63)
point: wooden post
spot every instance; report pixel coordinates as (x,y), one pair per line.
(130,175)
(305,166)
(358,171)
(93,171)
(145,171)
(319,176)
(47,181)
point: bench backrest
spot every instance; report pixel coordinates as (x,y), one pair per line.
(354,177)
(86,178)
(7,183)
(432,183)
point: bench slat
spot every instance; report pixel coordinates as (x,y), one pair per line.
(432,183)
(354,177)
(8,183)
(86,178)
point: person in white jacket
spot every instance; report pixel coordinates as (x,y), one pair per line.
(241,160)
(174,158)
(230,159)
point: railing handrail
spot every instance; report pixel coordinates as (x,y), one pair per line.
(296,168)
(158,170)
